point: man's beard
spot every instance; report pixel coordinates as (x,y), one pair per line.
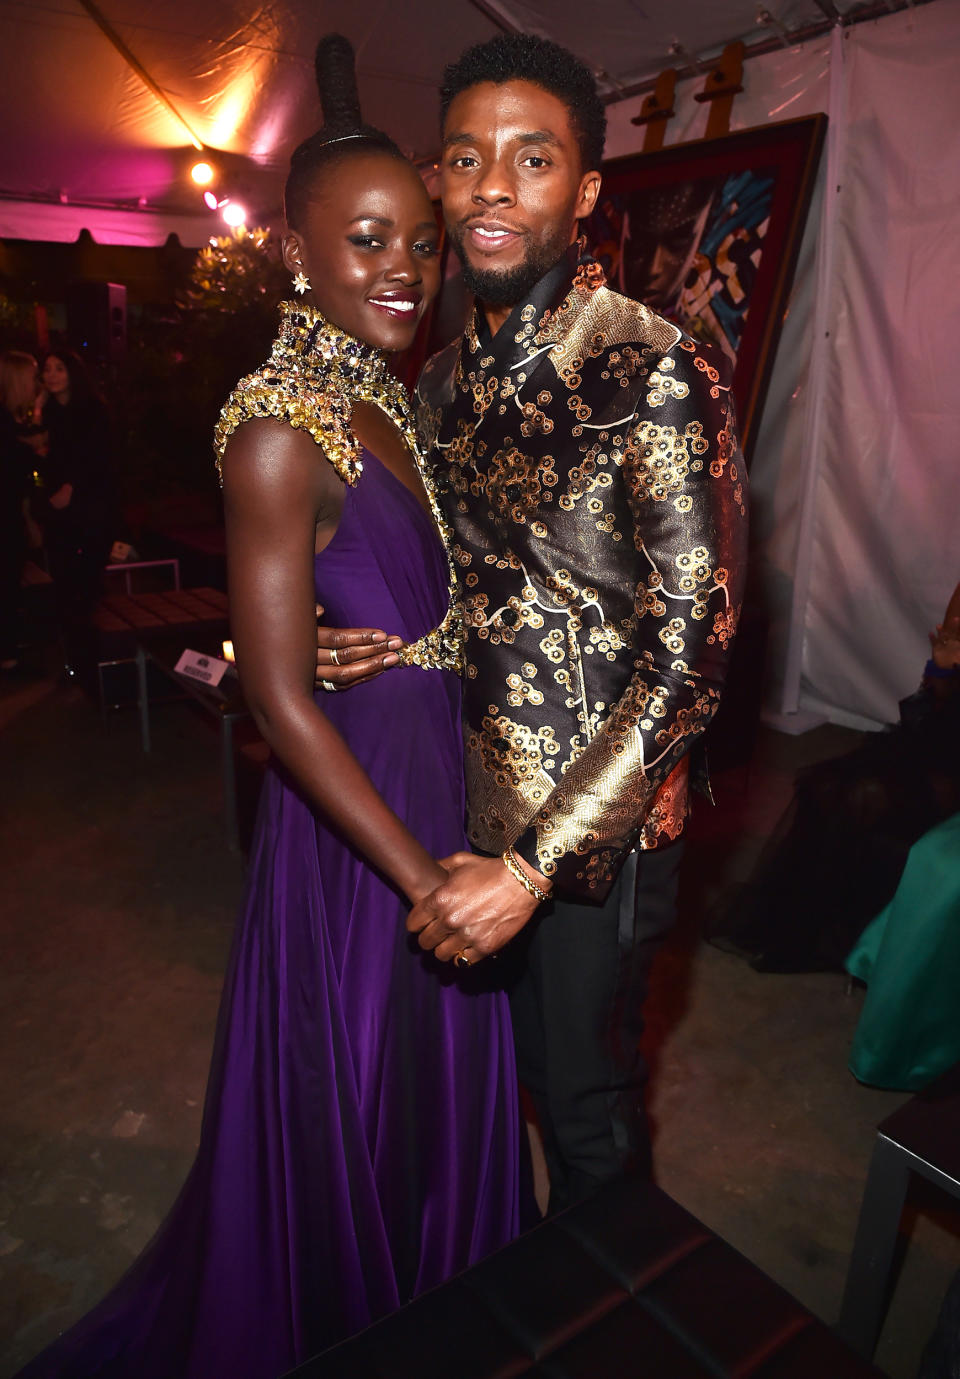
(496,287)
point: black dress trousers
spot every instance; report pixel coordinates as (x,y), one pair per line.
(577,978)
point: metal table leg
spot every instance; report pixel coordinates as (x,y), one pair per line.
(143,703)
(229,769)
(865,1294)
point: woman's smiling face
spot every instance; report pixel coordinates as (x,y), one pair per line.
(369,246)
(55,378)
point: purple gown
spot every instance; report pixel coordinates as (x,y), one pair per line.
(361,1131)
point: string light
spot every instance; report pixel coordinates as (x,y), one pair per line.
(232,211)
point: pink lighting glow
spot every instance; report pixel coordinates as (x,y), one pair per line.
(234,214)
(210,200)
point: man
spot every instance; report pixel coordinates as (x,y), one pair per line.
(585,454)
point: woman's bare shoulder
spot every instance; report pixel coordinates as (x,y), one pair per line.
(265,460)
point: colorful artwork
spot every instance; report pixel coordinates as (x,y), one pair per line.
(707,234)
(718,287)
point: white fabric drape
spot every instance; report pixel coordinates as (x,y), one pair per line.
(856,471)
(885,552)
(814,430)
(39,220)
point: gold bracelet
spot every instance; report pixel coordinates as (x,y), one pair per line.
(509,860)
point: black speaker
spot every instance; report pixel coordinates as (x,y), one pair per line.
(97,320)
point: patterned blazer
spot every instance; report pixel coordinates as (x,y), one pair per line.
(586,458)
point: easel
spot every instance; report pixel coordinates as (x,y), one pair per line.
(724,81)
(656,110)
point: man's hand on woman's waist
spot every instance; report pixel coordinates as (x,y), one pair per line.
(348,656)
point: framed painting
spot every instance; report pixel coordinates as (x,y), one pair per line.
(707,233)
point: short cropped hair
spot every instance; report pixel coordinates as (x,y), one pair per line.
(524,57)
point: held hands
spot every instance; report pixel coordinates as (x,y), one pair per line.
(347,656)
(476,911)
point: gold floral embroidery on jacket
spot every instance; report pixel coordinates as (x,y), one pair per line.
(586,457)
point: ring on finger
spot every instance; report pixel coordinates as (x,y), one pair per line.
(329,686)
(334,657)
(460,959)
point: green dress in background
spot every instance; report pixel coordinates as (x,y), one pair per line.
(909,957)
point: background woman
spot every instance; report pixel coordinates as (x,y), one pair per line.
(361,1130)
(18,395)
(836,857)
(78,524)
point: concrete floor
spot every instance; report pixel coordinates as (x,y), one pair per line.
(118,903)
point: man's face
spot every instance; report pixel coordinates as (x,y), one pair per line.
(512,186)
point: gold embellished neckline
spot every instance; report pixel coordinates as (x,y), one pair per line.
(315,374)
(305,331)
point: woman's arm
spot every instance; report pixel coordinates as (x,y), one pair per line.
(276,484)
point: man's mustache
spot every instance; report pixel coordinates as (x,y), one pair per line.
(494,223)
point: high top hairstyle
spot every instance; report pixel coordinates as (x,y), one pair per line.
(524,57)
(342,134)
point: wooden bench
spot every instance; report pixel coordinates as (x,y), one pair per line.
(122,621)
(150,631)
(626,1285)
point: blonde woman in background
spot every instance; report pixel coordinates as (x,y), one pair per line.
(18,399)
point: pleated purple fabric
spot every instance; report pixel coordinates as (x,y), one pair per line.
(361,1133)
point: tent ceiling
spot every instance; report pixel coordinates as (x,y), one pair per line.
(82,126)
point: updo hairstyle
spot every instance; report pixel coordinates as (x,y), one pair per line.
(342,134)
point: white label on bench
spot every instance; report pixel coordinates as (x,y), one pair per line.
(208,669)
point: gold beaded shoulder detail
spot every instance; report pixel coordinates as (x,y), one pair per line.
(311,381)
(313,378)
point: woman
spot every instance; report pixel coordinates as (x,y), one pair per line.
(79,487)
(18,395)
(836,857)
(361,1132)
(909,955)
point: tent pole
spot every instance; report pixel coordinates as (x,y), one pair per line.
(110,32)
(494,12)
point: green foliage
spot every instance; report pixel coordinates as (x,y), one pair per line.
(17,324)
(181,365)
(228,314)
(235,273)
